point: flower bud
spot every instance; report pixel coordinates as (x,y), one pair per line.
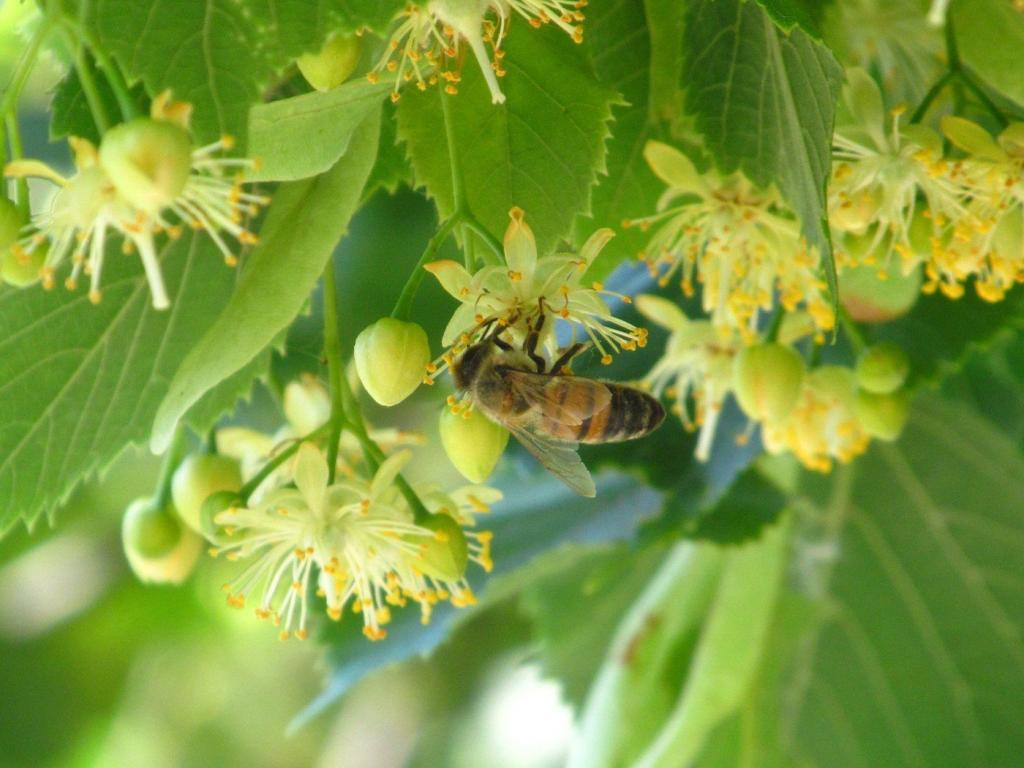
(307,405)
(148,161)
(214,504)
(158,547)
(21,268)
(766,380)
(883,416)
(196,478)
(332,64)
(868,298)
(883,368)
(473,443)
(444,555)
(391,356)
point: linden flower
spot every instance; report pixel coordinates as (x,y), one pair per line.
(989,243)
(735,240)
(145,178)
(426,40)
(886,176)
(519,293)
(823,426)
(355,540)
(698,363)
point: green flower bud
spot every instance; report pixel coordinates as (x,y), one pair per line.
(883,416)
(869,298)
(307,405)
(158,547)
(20,268)
(148,161)
(391,357)
(214,504)
(332,65)
(196,478)
(883,368)
(445,555)
(766,380)
(473,443)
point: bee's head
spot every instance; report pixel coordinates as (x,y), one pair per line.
(465,371)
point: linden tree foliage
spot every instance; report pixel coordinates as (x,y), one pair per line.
(542,150)
(748,254)
(763,96)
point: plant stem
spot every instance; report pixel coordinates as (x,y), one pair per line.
(277,460)
(776,326)
(92,94)
(458,193)
(404,304)
(21,197)
(933,92)
(110,71)
(171,461)
(851,329)
(986,101)
(375,456)
(335,373)
(497,251)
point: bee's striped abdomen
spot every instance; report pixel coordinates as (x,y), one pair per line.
(630,414)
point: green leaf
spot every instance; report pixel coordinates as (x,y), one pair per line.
(392,167)
(919,660)
(577,609)
(69,110)
(989,35)
(305,135)
(306,220)
(792,13)
(542,150)
(220,54)
(764,101)
(618,40)
(665,20)
(750,504)
(646,660)
(730,649)
(939,334)
(79,383)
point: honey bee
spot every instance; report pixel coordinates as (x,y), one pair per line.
(551,413)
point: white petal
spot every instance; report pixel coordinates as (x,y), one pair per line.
(674,168)
(595,243)
(311,475)
(665,313)
(452,276)
(520,247)
(387,472)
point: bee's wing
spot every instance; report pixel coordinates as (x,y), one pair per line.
(558,457)
(566,400)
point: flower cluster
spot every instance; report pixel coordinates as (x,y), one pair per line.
(737,241)
(697,365)
(426,41)
(145,178)
(356,542)
(522,293)
(900,203)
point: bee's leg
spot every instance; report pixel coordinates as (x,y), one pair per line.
(530,346)
(500,343)
(568,355)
